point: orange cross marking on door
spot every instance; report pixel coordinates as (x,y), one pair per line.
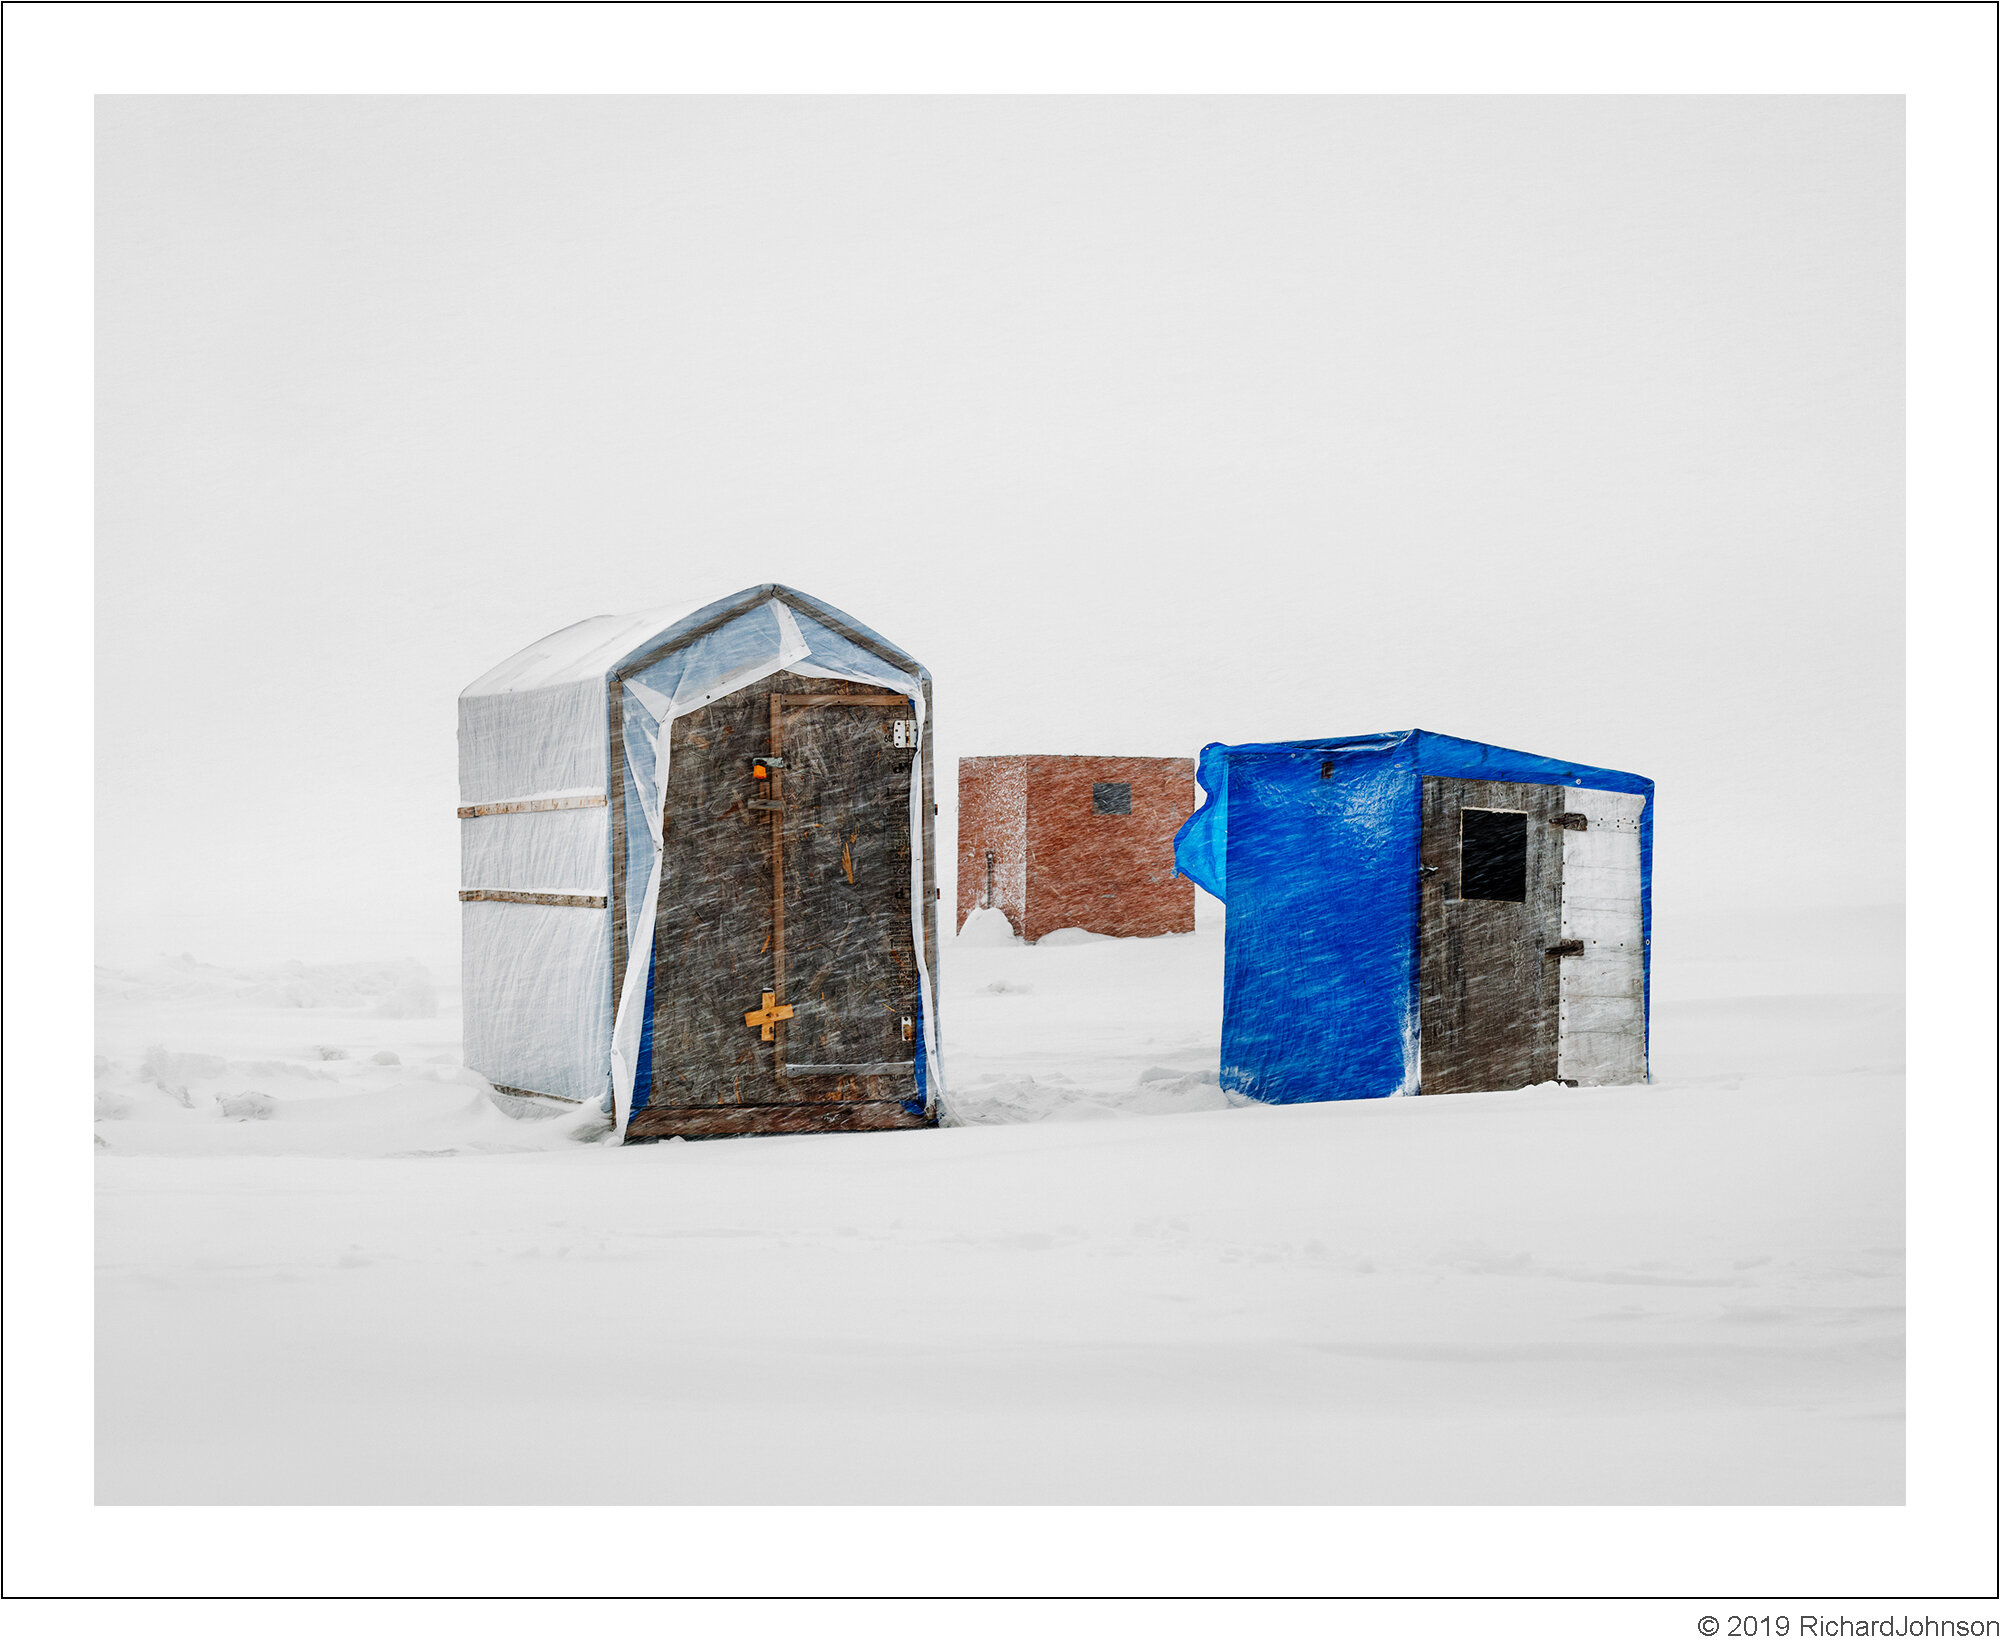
(772,1013)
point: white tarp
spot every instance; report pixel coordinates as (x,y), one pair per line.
(536,729)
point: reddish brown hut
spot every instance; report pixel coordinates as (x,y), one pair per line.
(1056,840)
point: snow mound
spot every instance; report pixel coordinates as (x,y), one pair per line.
(986,929)
(1065,937)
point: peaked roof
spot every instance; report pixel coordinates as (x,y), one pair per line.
(599,647)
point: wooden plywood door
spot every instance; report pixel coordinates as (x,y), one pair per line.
(1488,985)
(712,940)
(847,951)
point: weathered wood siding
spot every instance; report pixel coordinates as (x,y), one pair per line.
(1602,1035)
(768,1119)
(831,826)
(849,956)
(1488,988)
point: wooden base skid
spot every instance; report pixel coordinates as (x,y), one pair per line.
(770,1119)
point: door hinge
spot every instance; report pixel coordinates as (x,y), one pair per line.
(1569,945)
(1569,820)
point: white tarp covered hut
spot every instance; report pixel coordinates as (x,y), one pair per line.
(625,792)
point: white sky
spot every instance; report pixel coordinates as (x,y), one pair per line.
(1571,424)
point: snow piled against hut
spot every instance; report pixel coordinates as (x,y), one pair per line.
(333,1270)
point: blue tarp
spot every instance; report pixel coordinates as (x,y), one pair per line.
(1315,848)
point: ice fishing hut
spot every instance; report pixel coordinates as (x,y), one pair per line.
(1060,840)
(697,851)
(1416,913)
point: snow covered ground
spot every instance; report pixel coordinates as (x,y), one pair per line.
(331,1271)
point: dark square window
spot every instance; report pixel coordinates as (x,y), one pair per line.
(1111,799)
(1493,856)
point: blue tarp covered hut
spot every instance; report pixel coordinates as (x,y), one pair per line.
(1412,912)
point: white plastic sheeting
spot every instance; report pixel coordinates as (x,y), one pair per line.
(536,741)
(554,851)
(538,1008)
(537,995)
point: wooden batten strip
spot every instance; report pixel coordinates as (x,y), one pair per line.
(621,894)
(842,700)
(763,1119)
(553,900)
(777,876)
(523,1091)
(562,803)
